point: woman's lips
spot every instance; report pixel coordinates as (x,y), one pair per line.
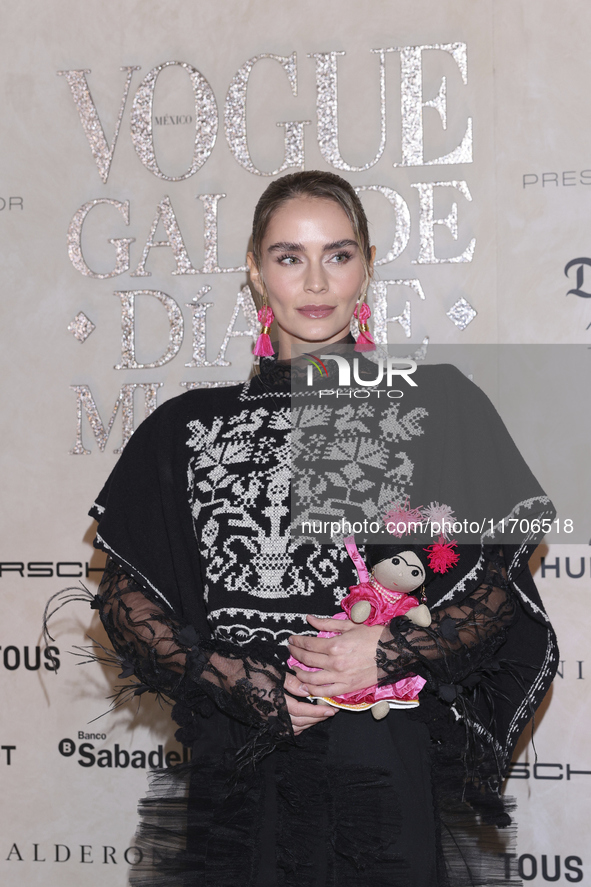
(316,312)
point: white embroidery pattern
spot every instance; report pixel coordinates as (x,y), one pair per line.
(239,485)
(239,489)
(344,465)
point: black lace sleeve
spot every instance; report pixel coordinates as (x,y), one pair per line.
(172,659)
(461,637)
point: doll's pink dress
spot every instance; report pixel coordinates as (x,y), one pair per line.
(385,604)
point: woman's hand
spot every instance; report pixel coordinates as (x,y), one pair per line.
(303,714)
(347,661)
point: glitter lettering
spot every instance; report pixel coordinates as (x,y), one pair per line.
(235,118)
(206,121)
(175,337)
(93,129)
(121,244)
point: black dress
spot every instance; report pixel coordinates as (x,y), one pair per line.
(203,586)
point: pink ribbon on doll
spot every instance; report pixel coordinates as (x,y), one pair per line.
(357,559)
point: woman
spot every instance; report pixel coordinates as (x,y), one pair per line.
(206,593)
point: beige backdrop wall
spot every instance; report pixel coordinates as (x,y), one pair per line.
(143,138)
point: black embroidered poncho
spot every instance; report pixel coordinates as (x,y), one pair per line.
(205,584)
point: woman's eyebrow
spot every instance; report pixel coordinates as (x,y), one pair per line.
(339,244)
(287,246)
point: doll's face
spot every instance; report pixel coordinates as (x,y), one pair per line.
(403,572)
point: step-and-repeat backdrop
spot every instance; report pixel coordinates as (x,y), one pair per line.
(136,138)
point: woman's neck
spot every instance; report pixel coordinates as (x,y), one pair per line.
(301,348)
(287,343)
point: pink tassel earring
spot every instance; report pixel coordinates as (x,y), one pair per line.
(365,340)
(263,347)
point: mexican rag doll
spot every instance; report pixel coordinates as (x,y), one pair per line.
(396,572)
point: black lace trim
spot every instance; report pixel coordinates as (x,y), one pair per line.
(279,373)
(275,373)
(460,638)
(459,656)
(176,662)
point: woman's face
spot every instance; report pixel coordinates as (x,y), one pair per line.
(313,271)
